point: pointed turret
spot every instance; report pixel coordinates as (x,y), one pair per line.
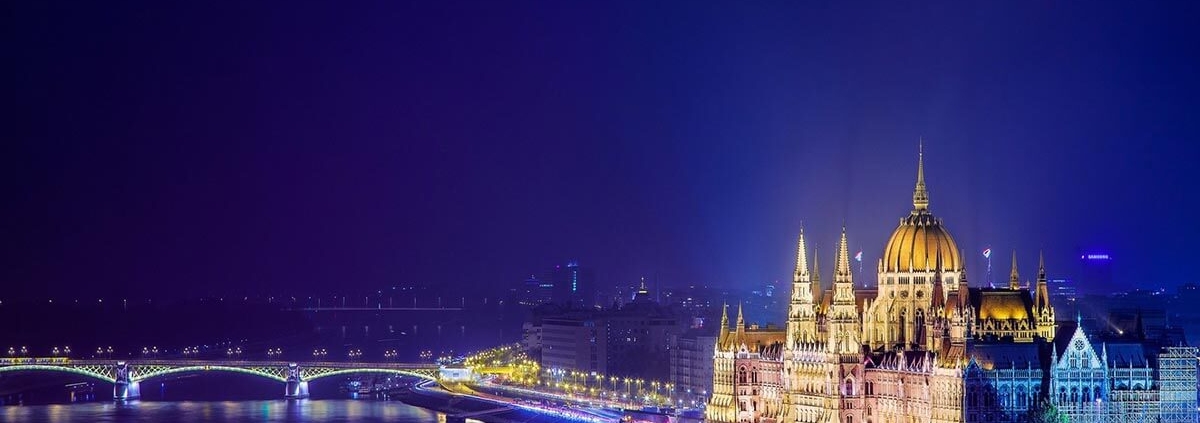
(741,325)
(1014,279)
(964,289)
(801,257)
(801,315)
(725,317)
(1041,299)
(816,278)
(939,293)
(723,336)
(920,194)
(844,327)
(842,267)
(1041,267)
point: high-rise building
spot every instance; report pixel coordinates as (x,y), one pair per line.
(573,285)
(569,285)
(534,292)
(927,346)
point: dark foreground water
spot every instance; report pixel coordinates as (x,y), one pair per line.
(331,410)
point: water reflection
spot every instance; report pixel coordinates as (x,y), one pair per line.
(221,411)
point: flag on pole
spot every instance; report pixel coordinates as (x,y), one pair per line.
(987,253)
(858,256)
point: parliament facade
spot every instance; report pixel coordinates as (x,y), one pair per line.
(927,346)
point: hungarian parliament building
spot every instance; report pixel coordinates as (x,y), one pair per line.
(928,346)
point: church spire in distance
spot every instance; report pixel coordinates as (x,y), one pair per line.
(920,195)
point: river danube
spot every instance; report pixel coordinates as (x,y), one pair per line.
(327,410)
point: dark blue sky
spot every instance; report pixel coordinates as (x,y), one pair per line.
(186,149)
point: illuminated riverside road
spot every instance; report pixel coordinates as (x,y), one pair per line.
(425,401)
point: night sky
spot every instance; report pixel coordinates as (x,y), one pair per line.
(171,150)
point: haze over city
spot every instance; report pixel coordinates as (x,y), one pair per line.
(601,212)
(168,149)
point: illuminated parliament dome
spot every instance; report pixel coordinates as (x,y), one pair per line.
(921,239)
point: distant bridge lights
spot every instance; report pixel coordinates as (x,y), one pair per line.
(390,354)
(320,353)
(273,353)
(150,351)
(234,352)
(354,354)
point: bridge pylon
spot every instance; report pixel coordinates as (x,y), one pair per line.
(296,386)
(124,387)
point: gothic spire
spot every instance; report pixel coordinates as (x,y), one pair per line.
(843,260)
(816,272)
(1041,297)
(1041,268)
(724,330)
(964,288)
(801,256)
(725,316)
(920,195)
(1014,279)
(939,296)
(741,323)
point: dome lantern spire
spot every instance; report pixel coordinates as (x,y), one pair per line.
(920,195)
(1014,279)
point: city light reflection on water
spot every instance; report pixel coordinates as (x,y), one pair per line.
(223,411)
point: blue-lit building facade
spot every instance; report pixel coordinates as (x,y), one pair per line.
(924,345)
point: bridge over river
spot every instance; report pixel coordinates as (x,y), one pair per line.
(126,375)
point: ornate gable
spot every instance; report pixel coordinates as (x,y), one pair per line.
(1079,353)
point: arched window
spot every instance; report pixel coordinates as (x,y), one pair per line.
(1022,399)
(903,326)
(742,375)
(1074,395)
(754,375)
(1099,394)
(1062,395)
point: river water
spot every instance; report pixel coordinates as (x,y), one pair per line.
(327,410)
